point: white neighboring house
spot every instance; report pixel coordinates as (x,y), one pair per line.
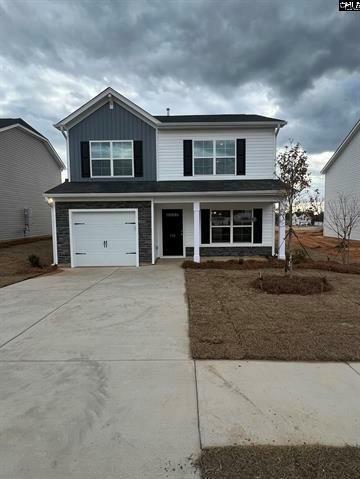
(301,220)
(28,166)
(342,174)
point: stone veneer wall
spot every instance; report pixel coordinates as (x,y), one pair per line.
(63,232)
(232,251)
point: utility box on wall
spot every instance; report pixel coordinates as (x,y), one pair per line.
(27,220)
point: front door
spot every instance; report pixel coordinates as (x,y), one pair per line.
(172,226)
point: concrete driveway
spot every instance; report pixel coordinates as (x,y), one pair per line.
(96,379)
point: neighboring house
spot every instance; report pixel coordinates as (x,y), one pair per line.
(301,219)
(143,187)
(28,166)
(342,175)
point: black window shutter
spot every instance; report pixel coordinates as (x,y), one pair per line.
(138,158)
(188,158)
(258,221)
(85,159)
(240,156)
(205,226)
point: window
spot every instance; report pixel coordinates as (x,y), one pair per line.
(111,158)
(214,157)
(231,226)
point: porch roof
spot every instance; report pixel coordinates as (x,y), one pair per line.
(165,187)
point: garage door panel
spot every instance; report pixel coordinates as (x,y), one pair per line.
(104,238)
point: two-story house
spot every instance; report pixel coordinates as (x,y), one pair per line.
(143,187)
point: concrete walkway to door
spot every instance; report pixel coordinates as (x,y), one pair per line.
(96,379)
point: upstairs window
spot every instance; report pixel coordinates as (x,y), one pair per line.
(112,158)
(214,157)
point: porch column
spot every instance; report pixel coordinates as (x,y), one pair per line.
(197,232)
(281,239)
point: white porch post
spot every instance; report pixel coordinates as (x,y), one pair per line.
(281,239)
(197,232)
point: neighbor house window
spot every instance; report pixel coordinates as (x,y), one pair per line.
(214,157)
(112,158)
(231,226)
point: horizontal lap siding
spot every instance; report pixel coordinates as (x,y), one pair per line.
(260,152)
(27,170)
(344,177)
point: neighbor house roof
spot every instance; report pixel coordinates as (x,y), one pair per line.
(165,187)
(341,147)
(9,123)
(172,121)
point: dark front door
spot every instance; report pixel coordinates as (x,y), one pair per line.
(172,226)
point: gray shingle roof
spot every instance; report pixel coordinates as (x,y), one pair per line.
(187,186)
(4,122)
(216,118)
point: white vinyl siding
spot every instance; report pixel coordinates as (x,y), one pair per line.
(27,170)
(343,176)
(260,152)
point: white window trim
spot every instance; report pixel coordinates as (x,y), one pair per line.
(112,159)
(214,157)
(232,226)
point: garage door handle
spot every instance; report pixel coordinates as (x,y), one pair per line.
(130,223)
(132,252)
(79,223)
(105,244)
(80,253)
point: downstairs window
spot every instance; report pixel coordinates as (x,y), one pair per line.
(231,226)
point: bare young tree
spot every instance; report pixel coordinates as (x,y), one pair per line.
(316,204)
(293,171)
(342,215)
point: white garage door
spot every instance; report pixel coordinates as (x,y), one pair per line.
(104,238)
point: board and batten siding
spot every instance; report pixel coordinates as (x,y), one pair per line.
(27,170)
(260,152)
(113,124)
(343,176)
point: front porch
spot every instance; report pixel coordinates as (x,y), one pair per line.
(216,228)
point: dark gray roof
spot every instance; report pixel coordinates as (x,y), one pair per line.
(216,118)
(187,186)
(4,122)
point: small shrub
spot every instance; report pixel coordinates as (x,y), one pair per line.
(234,264)
(302,285)
(299,256)
(34,260)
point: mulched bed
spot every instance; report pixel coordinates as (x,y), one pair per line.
(292,284)
(14,262)
(271,263)
(280,462)
(230,319)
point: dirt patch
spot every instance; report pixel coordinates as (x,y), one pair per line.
(15,265)
(280,462)
(294,284)
(229,319)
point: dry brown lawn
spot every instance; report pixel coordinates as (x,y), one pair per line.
(280,462)
(14,263)
(230,319)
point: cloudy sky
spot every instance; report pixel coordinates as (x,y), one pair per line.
(298,60)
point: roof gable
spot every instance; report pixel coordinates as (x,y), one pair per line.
(108,95)
(341,147)
(10,123)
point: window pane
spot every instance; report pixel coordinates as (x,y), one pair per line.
(225,147)
(101,168)
(122,167)
(203,148)
(122,150)
(220,235)
(220,218)
(203,166)
(241,235)
(225,166)
(100,149)
(243,217)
